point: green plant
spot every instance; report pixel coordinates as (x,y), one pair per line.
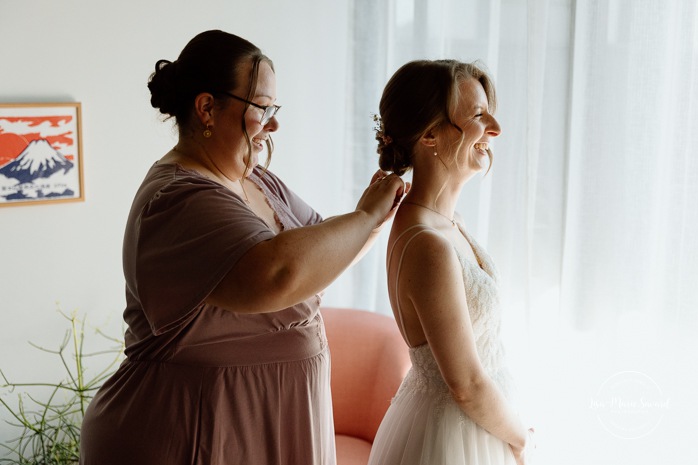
(50,418)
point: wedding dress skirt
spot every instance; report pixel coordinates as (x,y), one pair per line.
(424,425)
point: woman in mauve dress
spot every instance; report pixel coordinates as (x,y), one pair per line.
(226,355)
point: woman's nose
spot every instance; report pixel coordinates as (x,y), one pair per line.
(272,125)
(493,129)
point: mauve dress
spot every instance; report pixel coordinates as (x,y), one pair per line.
(202,385)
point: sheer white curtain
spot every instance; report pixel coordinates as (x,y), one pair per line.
(589,211)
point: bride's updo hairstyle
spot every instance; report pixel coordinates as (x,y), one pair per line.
(421,96)
(211,62)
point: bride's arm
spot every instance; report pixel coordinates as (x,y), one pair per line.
(432,280)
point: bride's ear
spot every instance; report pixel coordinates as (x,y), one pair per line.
(428,139)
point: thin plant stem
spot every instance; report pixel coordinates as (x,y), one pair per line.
(49,431)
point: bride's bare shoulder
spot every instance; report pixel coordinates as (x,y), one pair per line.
(419,244)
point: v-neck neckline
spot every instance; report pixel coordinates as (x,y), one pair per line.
(479,264)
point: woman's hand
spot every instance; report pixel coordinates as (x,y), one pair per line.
(382,197)
(522,454)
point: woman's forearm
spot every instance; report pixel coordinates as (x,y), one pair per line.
(486,405)
(298,263)
(294,265)
(367,245)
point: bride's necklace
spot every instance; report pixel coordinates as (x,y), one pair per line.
(453,221)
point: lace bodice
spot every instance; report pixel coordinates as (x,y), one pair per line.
(485,314)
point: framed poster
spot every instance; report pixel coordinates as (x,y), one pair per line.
(40,153)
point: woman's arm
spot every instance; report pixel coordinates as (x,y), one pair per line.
(301,262)
(433,285)
(380,174)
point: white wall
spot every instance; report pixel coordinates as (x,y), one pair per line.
(101,54)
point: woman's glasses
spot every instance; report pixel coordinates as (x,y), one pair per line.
(269,111)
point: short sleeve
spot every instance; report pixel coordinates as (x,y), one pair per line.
(185,239)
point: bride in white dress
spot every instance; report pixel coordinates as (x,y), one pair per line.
(453,407)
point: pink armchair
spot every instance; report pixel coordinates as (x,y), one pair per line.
(369,361)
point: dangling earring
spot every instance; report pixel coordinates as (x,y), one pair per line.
(436,154)
(207,131)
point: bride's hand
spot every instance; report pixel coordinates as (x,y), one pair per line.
(522,454)
(518,455)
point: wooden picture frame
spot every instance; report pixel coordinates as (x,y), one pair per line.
(40,153)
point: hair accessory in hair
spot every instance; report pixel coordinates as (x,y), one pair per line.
(380,130)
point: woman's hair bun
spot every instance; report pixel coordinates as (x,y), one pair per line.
(163,87)
(392,157)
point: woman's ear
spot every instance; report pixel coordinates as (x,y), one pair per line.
(203,108)
(428,139)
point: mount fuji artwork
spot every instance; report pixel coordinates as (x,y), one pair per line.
(39,153)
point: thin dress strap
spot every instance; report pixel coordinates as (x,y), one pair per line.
(399,267)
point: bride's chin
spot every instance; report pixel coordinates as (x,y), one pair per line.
(480,162)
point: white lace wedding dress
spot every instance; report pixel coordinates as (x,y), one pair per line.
(423,424)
